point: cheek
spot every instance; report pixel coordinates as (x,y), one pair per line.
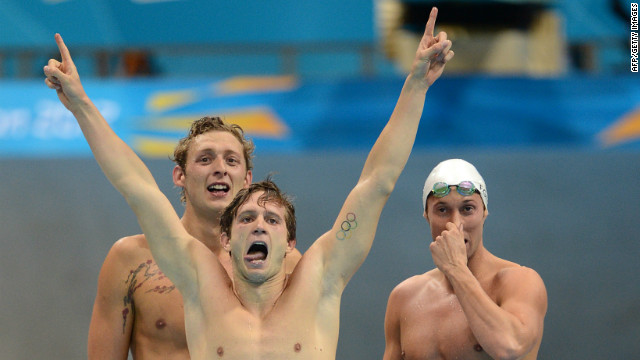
(193,177)
(238,171)
(473,225)
(436,228)
(236,245)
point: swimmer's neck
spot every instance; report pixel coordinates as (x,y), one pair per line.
(260,298)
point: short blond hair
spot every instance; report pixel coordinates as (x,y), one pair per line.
(205,125)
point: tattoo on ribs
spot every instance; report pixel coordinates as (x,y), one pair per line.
(147,270)
(345,228)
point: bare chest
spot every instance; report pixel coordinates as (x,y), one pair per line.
(437,328)
(155,307)
(286,332)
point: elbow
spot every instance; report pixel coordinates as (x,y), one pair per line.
(513,351)
(380,179)
(505,355)
(378,186)
(385,185)
(386,189)
(516,345)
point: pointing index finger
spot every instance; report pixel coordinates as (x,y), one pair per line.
(64,52)
(431,23)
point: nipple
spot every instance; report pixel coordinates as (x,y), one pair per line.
(160,324)
(477,348)
(220,351)
(297,347)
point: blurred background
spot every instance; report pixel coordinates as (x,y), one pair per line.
(541,96)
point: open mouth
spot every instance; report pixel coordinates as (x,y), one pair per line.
(218,188)
(257,252)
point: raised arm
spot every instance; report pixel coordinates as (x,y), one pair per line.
(168,240)
(347,244)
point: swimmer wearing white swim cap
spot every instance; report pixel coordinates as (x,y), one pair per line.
(473,305)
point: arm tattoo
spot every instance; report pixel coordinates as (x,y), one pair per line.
(345,228)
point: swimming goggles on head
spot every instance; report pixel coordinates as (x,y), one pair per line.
(464,188)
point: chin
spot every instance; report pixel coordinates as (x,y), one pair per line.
(257,278)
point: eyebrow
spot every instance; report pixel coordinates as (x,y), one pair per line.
(224,151)
(273,214)
(253,212)
(466,201)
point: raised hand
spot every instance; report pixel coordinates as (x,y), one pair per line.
(432,54)
(63,77)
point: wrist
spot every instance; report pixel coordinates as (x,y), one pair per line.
(81,105)
(416,83)
(456,271)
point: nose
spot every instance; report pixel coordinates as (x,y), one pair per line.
(220,166)
(259,227)
(456,218)
(259,230)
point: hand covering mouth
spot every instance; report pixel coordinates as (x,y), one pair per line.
(257,251)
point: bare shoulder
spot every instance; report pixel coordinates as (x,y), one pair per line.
(127,259)
(129,251)
(417,284)
(130,245)
(515,273)
(522,282)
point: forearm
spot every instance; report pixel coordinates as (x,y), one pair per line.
(391,151)
(118,161)
(130,176)
(501,334)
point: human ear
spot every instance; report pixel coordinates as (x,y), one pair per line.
(291,244)
(178,176)
(225,242)
(248,178)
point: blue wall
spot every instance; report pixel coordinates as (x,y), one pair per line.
(285,114)
(131,23)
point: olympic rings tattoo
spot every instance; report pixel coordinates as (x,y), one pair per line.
(346,227)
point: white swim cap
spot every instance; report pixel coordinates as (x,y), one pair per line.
(453,172)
